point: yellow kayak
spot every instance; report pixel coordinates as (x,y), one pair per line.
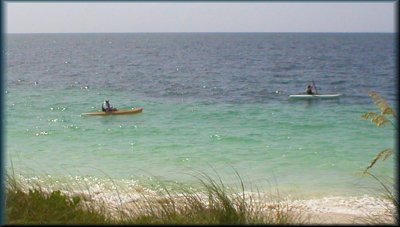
(116,112)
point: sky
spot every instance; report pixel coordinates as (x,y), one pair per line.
(197,16)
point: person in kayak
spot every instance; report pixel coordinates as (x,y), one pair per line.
(309,90)
(106,107)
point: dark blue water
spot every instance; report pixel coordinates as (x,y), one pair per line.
(238,68)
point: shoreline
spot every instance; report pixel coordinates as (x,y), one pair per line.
(328,209)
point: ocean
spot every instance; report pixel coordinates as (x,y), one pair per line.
(214,104)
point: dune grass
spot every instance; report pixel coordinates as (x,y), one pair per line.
(385,116)
(210,202)
(36,206)
(214,203)
(387,193)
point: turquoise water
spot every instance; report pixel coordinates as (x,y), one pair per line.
(307,146)
(302,147)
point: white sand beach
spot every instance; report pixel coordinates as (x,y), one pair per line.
(327,210)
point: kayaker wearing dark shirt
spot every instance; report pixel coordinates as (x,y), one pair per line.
(106,107)
(309,90)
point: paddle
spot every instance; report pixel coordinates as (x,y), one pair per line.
(316,92)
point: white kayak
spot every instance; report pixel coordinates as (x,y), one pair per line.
(306,96)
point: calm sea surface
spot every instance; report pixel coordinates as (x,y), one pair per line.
(213,103)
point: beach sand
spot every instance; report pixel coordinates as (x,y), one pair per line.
(347,210)
(327,210)
(364,209)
